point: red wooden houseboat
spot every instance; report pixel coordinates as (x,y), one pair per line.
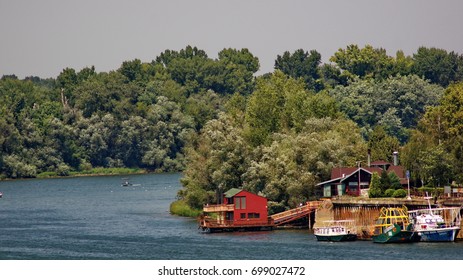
(243,210)
(240,210)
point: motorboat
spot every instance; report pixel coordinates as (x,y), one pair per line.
(336,230)
(436,224)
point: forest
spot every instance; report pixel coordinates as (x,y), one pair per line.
(277,134)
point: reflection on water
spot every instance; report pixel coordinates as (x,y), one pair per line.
(97,218)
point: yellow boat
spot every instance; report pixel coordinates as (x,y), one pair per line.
(393,226)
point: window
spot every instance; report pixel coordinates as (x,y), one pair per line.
(254,215)
(243,216)
(243,203)
(240,202)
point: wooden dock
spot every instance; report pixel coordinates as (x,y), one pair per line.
(364,211)
(296,213)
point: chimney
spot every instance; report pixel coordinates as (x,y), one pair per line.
(395,156)
(369,158)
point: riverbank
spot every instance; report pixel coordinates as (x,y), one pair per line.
(98,171)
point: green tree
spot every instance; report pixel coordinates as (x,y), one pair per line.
(302,65)
(382,145)
(396,103)
(216,161)
(366,62)
(394,181)
(375,186)
(438,66)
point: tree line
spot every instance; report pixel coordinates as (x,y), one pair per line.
(277,134)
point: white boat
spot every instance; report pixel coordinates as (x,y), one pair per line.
(336,230)
(436,224)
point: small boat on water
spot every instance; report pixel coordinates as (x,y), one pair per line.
(431,226)
(336,230)
(126,184)
(393,226)
(1,194)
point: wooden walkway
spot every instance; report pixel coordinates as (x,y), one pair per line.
(296,213)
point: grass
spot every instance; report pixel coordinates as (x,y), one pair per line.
(95,172)
(181,208)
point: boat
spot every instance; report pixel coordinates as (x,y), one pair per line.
(336,230)
(431,226)
(1,194)
(393,226)
(126,182)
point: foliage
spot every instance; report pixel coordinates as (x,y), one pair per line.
(381,145)
(181,208)
(281,103)
(394,181)
(375,186)
(401,193)
(366,62)
(434,151)
(302,65)
(389,192)
(278,134)
(396,103)
(438,66)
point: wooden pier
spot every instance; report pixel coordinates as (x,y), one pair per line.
(296,213)
(364,211)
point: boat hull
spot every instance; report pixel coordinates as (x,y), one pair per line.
(337,238)
(396,235)
(439,235)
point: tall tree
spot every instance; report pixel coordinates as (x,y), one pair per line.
(301,64)
(438,66)
(366,62)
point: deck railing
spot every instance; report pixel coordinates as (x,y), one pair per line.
(218,208)
(295,213)
(214,223)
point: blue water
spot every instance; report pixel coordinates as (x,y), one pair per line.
(96,218)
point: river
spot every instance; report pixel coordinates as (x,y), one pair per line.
(96,218)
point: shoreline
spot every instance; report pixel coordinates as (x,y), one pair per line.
(108,172)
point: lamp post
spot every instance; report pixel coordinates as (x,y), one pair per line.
(359,190)
(407,173)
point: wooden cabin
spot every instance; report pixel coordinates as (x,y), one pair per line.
(239,209)
(355,181)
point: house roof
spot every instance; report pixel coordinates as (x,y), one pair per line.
(352,171)
(232,192)
(347,171)
(342,173)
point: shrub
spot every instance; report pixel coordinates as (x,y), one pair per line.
(181,208)
(389,192)
(399,193)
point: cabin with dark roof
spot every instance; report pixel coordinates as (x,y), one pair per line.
(355,181)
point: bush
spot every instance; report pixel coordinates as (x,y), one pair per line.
(399,193)
(181,208)
(389,192)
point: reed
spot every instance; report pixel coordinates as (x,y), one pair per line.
(181,208)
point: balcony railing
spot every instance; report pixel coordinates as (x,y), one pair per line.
(218,208)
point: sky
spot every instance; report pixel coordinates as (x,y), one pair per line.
(41,38)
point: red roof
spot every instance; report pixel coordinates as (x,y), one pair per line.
(340,172)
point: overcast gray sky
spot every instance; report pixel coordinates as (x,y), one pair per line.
(41,38)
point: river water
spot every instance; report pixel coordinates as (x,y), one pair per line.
(97,218)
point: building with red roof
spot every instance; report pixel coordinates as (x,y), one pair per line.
(355,181)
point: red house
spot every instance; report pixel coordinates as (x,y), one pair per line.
(240,210)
